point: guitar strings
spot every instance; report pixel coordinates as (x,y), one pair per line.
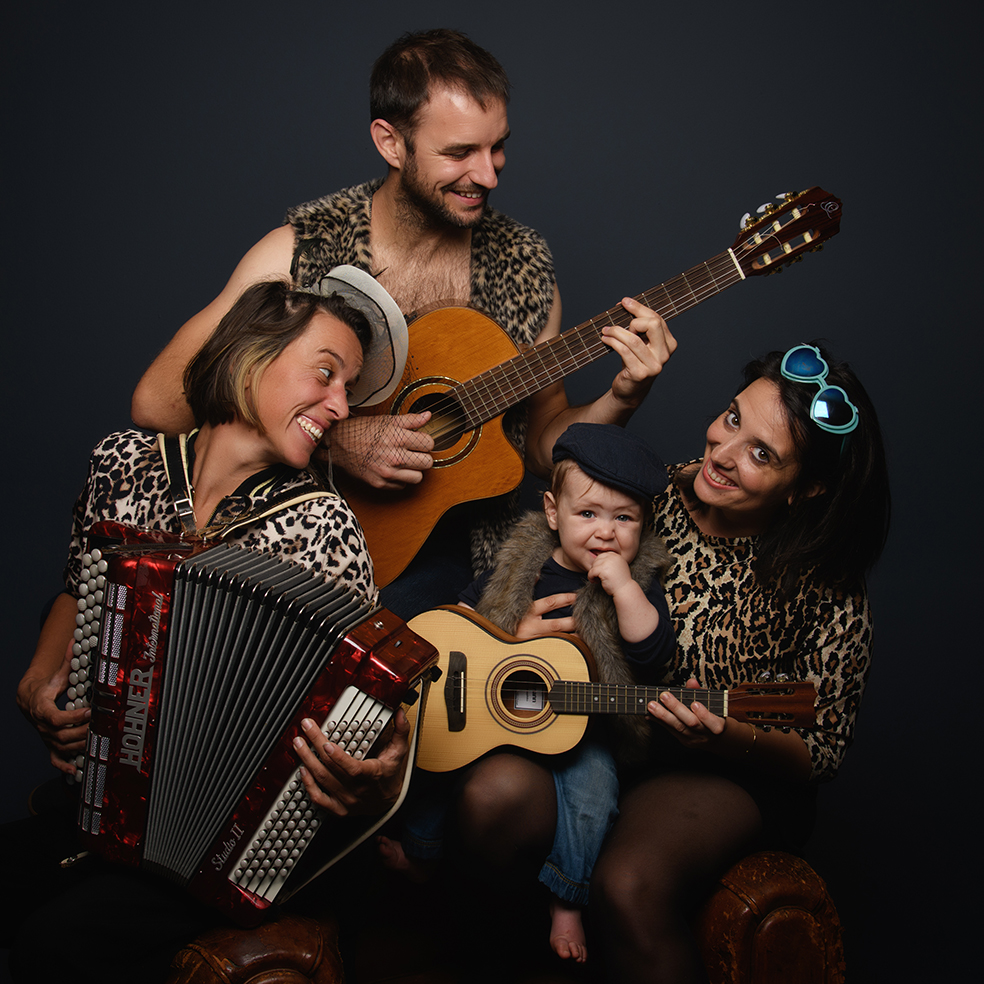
(603,689)
(487,395)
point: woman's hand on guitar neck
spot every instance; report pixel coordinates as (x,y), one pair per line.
(779,753)
(691,724)
(385,451)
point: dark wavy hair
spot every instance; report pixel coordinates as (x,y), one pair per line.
(403,74)
(839,533)
(265,319)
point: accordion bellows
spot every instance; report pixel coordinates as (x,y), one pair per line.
(208,659)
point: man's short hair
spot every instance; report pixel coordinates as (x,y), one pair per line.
(403,74)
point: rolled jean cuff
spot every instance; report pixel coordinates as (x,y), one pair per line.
(570,891)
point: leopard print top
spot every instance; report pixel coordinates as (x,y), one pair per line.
(730,630)
(127,482)
(512,281)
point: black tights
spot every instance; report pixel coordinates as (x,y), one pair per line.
(674,836)
(505,814)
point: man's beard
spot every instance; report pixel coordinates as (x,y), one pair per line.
(422,208)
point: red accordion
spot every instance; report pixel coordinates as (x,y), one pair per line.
(208,658)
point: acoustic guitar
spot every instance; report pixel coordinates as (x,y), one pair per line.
(538,694)
(450,348)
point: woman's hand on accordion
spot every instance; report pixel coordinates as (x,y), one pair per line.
(342,784)
(46,680)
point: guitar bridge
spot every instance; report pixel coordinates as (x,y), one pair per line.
(454,691)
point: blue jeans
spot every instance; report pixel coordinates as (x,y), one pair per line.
(586,785)
(587,805)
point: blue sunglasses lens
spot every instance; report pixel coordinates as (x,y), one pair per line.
(804,363)
(832,408)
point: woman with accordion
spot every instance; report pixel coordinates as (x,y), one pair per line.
(280,369)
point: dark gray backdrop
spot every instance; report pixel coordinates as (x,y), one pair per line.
(148,146)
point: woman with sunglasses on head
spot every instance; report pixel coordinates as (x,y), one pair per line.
(771,534)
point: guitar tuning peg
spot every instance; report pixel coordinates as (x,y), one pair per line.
(784,197)
(763,207)
(744,220)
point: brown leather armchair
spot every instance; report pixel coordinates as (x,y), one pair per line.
(770,921)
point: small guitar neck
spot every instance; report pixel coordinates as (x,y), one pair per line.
(576,697)
(779,704)
(491,393)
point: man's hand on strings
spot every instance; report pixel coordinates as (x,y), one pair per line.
(386,452)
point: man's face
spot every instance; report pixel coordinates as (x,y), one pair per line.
(458,150)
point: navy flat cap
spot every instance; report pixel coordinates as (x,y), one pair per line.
(611,455)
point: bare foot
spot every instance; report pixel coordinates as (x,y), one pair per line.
(391,853)
(566,930)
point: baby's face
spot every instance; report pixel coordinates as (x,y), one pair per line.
(592,519)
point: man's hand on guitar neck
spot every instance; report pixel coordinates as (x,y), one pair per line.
(386,452)
(645,346)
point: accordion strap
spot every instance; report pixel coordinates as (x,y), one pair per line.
(174,452)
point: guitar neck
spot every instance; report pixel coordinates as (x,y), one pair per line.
(491,393)
(577,697)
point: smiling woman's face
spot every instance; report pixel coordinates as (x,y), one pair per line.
(304,390)
(750,462)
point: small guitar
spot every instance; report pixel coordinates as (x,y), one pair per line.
(450,348)
(538,694)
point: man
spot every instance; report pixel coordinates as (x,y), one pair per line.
(438,108)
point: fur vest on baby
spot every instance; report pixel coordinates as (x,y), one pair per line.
(509,591)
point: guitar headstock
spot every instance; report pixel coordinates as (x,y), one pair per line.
(777,704)
(800,222)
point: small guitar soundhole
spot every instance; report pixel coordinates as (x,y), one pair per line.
(524,694)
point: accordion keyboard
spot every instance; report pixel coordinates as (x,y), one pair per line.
(92,586)
(354,723)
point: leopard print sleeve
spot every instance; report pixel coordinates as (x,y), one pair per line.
(126,483)
(836,657)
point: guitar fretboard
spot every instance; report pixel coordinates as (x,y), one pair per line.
(492,392)
(576,697)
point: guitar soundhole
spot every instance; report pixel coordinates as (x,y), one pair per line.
(524,694)
(448,421)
